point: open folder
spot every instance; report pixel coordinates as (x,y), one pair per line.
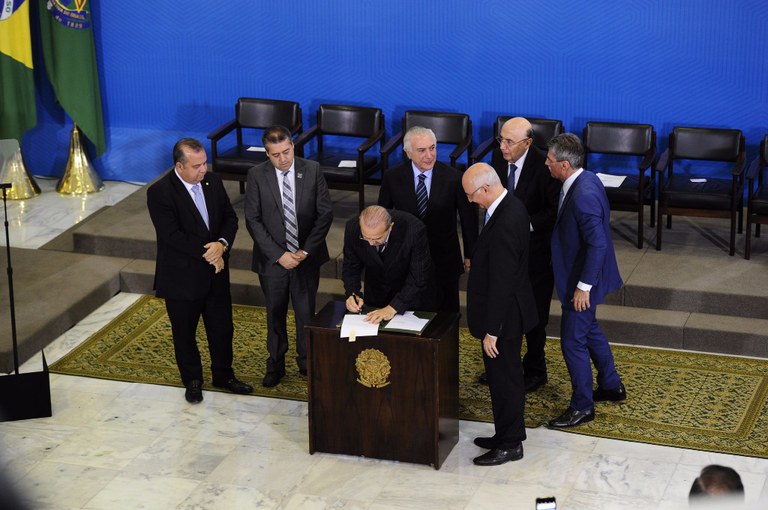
(354,325)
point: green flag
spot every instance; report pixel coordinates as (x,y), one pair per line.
(66,30)
(17,86)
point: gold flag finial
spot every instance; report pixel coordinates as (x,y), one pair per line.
(79,176)
(15,172)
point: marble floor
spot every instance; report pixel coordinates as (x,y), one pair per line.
(125,445)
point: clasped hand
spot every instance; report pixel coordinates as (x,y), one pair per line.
(213,255)
(291,260)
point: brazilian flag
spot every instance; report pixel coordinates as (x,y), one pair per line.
(66,33)
(17,87)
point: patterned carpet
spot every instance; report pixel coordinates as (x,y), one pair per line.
(691,400)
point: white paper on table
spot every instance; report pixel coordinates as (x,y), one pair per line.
(406,322)
(347,163)
(698,180)
(254,148)
(354,325)
(611,181)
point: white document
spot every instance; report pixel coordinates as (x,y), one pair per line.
(347,163)
(611,181)
(354,325)
(698,180)
(254,148)
(406,322)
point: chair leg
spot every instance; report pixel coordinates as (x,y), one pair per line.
(733,234)
(658,230)
(741,219)
(748,239)
(653,212)
(640,226)
(242,188)
(757,228)
(669,221)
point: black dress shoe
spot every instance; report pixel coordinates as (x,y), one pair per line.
(272,379)
(614,395)
(489,443)
(534,383)
(498,456)
(194,393)
(235,386)
(572,418)
(483,378)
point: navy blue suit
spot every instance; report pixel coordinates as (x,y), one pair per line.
(582,250)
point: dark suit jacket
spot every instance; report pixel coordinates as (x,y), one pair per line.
(265,219)
(539,191)
(402,276)
(446,197)
(181,272)
(499,296)
(582,248)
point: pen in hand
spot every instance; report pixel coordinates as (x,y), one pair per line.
(358,303)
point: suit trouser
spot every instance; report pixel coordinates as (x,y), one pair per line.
(534,361)
(505,381)
(447,292)
(298,285)
(582,340)
(216,310)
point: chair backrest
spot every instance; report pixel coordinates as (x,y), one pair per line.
(263,113)
(764,150)
(451,128)
(344,120)
(544,130)
(619,138)
(704,143)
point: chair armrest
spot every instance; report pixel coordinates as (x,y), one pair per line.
(378,135)
(739,166)
(648,159)
(390,144)
(754,168)
(483,149)
(219,132)
(661,164)
(306,136)
(459,150)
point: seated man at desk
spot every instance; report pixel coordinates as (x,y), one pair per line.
(392,248)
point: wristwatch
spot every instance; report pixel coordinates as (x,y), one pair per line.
(224,243)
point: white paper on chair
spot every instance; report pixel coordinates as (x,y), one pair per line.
(698,180)
(406,322)
(347,163)
(611,181)
(254,148)
(354,325)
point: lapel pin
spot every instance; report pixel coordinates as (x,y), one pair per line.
(299,176)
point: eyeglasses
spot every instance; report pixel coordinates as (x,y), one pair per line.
(469,195)
(510,143)
(379,239)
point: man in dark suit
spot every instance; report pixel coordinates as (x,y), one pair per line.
(432,192)
(391,246)
(195,226)
(500,307)
(288,213)
(585,271)
(522,170)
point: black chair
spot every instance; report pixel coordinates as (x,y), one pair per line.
(256,114)
(757,199)
(450,128)
(713,198)
(345,168)
(628,141)
(543,131)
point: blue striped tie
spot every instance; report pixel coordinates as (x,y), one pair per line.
(291,228)
(421,196)
(511,179)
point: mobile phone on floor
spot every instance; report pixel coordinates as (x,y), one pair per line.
(546,503)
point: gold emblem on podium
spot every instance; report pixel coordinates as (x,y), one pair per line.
(373,368)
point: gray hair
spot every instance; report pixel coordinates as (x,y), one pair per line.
(416,131)
(374,215)
(568,147)
(483,174)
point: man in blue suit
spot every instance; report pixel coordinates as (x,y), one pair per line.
(585,270)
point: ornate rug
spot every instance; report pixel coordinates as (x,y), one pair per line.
(691,400)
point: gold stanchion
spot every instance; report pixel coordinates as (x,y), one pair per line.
(15,172)
(79,176)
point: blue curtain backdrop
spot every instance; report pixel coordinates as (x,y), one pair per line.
(172,69)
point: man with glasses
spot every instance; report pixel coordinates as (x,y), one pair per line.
(432,192)
(391,246)
(288,213)
(522,170)
(500,307)
(585,271)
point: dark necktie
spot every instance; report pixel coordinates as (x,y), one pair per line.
(511,181)
(421,196)
(560,200)
(291,229)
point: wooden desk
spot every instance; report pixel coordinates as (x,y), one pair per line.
(393,396)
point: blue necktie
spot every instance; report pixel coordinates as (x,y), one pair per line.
(200,202)
(560,201)
(511,179)
(487,217)
(421,196)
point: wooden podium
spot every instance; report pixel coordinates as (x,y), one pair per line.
(393,396)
